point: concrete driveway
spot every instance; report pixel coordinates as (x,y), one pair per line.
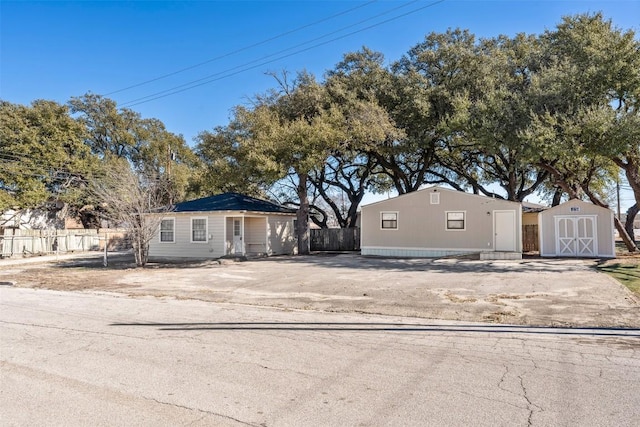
(545,292)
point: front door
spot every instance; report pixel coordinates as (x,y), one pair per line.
(576,236)
(505,230)
(237,236)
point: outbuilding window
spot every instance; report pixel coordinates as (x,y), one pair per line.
(167,233)
(389,220)
(455,221)
(198,230)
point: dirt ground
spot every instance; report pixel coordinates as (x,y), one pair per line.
(543,292)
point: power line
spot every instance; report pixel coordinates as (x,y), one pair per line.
(206,80)
(242,49)
(188,85)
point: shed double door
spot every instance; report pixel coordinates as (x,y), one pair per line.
(576,236)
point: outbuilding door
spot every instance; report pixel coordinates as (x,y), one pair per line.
(505,230)
(576,236)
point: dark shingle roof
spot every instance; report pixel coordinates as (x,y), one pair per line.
(230,202)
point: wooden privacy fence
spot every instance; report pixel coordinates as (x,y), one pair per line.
(335,239)
(530,238)
(15,242)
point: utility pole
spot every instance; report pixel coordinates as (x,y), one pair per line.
(618,195)
(169,159)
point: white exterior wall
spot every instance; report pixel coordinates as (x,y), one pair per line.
(421,229)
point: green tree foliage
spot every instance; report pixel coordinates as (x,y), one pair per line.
(358,86)
(292,133)
(432,89)
(144,143)
(485,146)
(225,165)
(165,155)
(42,156)
(589,90)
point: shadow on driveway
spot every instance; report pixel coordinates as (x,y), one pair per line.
(449,264)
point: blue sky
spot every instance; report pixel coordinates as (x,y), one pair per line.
(56,50)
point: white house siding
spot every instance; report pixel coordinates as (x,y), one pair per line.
(182,247)
(421,229)
(604,228)
(281,235)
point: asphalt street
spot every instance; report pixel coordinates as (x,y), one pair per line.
(103,359)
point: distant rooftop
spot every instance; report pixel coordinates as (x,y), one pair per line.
(533,207)
(231,202)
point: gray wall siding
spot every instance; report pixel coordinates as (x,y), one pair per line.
(604,226)
(281,235)
(256,228)
(422,225)
(182,247)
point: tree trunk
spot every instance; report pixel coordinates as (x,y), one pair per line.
(557,197)
(303,215)
(630,244)
(631,216)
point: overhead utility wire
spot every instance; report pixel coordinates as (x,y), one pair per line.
(153,95)
(242,49)
(191,85)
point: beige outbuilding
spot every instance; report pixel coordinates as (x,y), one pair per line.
(437,221)
(577,229)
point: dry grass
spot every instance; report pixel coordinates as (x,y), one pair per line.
(460,300)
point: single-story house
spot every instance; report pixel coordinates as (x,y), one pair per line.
(54,216)
(225,224)
(576,229)
(437,221)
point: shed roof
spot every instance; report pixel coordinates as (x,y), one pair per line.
(231,202)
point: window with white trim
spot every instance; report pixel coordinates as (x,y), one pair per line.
(167,230)
(389,220)
(455,220)
(199,230)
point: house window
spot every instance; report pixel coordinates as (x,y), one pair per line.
(455,220)
(389,220)
(198,229)
(167,233)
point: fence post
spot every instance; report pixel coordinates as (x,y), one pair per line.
(105,261)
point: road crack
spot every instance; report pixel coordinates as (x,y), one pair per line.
(203,411)
(530,405)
